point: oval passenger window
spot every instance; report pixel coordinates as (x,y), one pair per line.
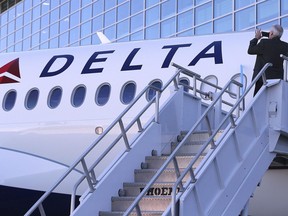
(54,98)
(103,94)
(9,100)
(78,96)
(128,92)
(151,92)
(32,99)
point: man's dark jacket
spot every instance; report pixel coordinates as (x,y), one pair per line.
(268,50)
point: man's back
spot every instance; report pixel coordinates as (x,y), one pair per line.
(269,50)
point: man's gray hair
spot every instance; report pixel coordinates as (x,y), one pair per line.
(277,30)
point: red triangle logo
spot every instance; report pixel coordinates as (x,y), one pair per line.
(12,70)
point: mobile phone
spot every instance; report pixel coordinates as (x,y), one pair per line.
(265,34)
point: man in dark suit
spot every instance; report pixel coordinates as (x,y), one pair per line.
(268,50)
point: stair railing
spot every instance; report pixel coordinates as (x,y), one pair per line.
(208,95)
(89,173)
(285,67)
(228,116)
(172,157)
(210,141)
(211,138)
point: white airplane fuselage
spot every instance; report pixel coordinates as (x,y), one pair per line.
(42,142)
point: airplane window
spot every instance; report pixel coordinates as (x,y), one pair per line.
(54,98)
(31,99)
(185,83)
(78,96)
(241,78)
(102,94)
(128,92)
(9,100)
(151,92)
(204,87)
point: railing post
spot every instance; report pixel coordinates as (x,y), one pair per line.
(138,210)
(124,135)
(218,108)
(41,210)
(233,124)
(173,201)
(89,180)
(194,85)
(210,131)
(176,79)
(285,67)
(192,175)
(140,128)
(157,106)
(177,171)
(264,79)
(237,98)
(285,71)
(72,203)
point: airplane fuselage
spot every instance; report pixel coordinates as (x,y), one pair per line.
(59,131)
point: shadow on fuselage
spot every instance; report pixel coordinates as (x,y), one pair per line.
(16,202)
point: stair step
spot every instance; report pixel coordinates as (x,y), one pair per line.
(199,135)
(190,148)
(198,138)
(155,162)
(158,197)
(145,175)
(193,144)
(158,189)
(121,213)
(148,203)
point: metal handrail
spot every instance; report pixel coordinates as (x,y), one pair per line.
(89,174)
(205,145)
(181,69)
(173,154)
(189,168)
(188,72)
(91,147)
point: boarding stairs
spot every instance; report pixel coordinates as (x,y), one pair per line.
(158,196)
(190,158)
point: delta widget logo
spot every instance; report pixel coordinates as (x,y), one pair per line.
(10,73)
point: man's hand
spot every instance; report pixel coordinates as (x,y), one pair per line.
(258,34)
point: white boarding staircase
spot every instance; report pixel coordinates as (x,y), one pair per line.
(160,173)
